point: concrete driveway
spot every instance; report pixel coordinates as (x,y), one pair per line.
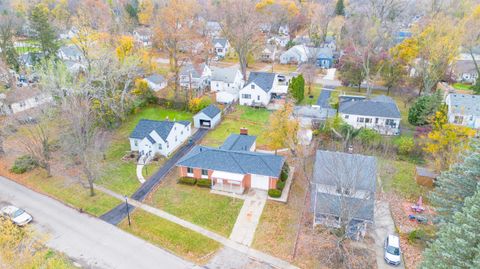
(384,226)
(89,241)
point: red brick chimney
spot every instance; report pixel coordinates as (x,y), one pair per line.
(244,131)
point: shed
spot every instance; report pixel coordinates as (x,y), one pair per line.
(208,117)
(425,177)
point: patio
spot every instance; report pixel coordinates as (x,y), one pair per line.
(228,182)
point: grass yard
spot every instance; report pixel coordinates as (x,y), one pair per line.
(256,120)
(183,242)
(284,68)
(316,89)
(399,177)
(462,86)
(214,212)
(120,176)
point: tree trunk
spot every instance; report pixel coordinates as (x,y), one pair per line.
(92,190)
(243,64)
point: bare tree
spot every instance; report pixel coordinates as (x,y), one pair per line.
(309,72)
(320,16)
(240,24)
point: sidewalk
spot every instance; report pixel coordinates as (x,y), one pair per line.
(140,174)
(254,254)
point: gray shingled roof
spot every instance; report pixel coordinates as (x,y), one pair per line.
(240,162)
(155,78)
(264,80)
(376,107)
(194,70)
(238,142)
(211,111)
(338,168)
(221,41)
(356,208)
(163,128)
(224,74)
(71,51)
(465,104)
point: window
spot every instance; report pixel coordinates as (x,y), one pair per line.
(135,142)
(458,120)
(159,146)
(346,116)
(189,170)
(376,120)
(360,119)
(368,120)
(258,97)
(204,172)
(181,132)
(175,138)
(252,86)
(246,96)
(391,123)
(228,84)
(168,145)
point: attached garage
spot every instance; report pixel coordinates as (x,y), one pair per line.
(260,182)
(207,118)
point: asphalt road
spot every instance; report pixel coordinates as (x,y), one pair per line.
(117,214)
(89,241)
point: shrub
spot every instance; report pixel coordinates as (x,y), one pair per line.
(24,164)
(274,193)
(205,183)
(197,104)
(280,185)
(405,145)
(187,180)
(284,173)
(369,136)
(424,108)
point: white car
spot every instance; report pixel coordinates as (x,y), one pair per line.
(392,250)
(16,215)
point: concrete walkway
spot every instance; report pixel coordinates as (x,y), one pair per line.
(251,253)
(140,174)
(247,221)
(330,74)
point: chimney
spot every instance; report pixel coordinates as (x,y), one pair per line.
(243,131)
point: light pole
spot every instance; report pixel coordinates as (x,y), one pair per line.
(128,211)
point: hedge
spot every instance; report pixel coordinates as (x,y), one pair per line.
(284,173)
(205,183)
(280,185)
(24,164)
(274,193)
(187,180)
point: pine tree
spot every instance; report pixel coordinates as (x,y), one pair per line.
(458,183)
(340,8)
(44,32)
(458,242)
(296,88)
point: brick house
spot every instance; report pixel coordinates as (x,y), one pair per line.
(234,166)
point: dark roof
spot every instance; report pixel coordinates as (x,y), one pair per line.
(145,127)
(151,139)
(381,106)
(355,171)
(425,172)
(264,80)
(356,208)
(240,162)
(195,70)
(155,78)
(221,41)
(238,142)
(211,111)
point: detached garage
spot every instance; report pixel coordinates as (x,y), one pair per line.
(208,117)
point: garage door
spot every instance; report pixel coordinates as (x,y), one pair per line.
(260,182)
(205,123)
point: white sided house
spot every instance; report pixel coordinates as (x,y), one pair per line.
(221,47)
(208,117)
(261,87)
(379,113)
(156,82)
(195,76)
(152,137)
(226,83)
(464,109)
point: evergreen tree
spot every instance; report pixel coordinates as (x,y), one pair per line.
(340,8)
(458,242)
(424,108)
(458,183)
(44,32)
(296,88)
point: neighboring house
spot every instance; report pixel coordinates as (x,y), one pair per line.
(465,71)
(325,57)
(464,109)
(195,76)
(283,30)
(226,83)
(261,87)
(143,36)
(343,190)
(297,54)
(156,82)
(22,99)
(233,167)
(281,41)
(213,28)
(379,113)
(71,33)
(402,35)
(70,53)
(313,115)
(29,59)
(221,47)
(268,53)
(163,137)
(302,40)
(208,117)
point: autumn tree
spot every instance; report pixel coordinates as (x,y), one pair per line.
(320,16)
(392,73)
(8,25)
(145,13)
(350,69)
(472,39)
(125,47)
(279,12)
(282,128)
(44,31)
(240,24)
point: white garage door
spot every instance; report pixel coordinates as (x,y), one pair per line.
(260,182)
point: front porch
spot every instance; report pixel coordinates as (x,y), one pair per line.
(228,182)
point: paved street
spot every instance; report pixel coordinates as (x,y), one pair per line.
(87,240)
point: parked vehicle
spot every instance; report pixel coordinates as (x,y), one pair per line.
(392,250)
(17,215)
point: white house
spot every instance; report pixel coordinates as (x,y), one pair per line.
(283,30)
(226,83)
(195,76)
(143,36)
(70,53)
(379,113)
(295,55)
(22,99)
(268,53)
(281,41)
(213,28)
(152,137)
(208,117)
(260,88)
(221,47)
(156,82)
(464,109)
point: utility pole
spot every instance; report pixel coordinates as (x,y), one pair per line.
(128,211)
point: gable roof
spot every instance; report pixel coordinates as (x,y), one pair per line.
(211,111)
(224,74)
(240,162)
(155,78)
(71,51)
(162,128)
(238,142)
(324,53)
(464,104)
(334,168)
(221,41)
(195,70)
(329,204)
(264,80)
(381,106)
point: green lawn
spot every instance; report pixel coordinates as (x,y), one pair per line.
(462,86)
(399,177)
(181,241)
(214,212)
(316,89)
(120,176)
(256,120)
